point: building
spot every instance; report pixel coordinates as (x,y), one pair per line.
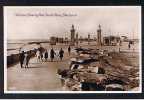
(66,40)
(53,40)
(111,40)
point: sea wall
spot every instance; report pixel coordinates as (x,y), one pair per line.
(14,58)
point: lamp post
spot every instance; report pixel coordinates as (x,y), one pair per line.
(119,41)
(88,38)
(133,41)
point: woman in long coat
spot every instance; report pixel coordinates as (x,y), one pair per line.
(52,53)
(26,59)
(46,55)
(61,52)
(21,58)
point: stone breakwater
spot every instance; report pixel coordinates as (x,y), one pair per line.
(100,70)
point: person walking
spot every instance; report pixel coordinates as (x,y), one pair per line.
(129,45)
(52,53)
(61,52)
(26,59)
(40,49)
(69,50)
(38,55)
(41,56)
(46,55)
(21,58)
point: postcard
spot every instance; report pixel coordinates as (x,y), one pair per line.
(72,49)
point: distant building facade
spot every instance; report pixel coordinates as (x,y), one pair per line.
(54,40)
(111,40)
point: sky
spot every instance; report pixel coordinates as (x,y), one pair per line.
(43,22)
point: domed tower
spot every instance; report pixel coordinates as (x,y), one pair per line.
(72,35)
(99,41)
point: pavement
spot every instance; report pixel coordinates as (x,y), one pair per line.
(40,76)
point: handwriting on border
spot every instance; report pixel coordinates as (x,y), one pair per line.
(46,14)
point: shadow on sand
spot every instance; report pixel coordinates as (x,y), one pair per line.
(34,67)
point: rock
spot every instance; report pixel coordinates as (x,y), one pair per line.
(114,87)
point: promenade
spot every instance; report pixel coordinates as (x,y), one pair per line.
(42,76)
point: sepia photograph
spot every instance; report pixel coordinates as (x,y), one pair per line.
(72,49)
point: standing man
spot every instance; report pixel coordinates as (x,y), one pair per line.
(21,58)
(129,45)
(69,50)
(52,53)
(41,56)
(38,55)
(41,53)
(61,52)
(46,55)
(27,59)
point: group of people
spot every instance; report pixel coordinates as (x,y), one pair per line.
(24,59)
(53,53)
(44,55)
(41,55)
